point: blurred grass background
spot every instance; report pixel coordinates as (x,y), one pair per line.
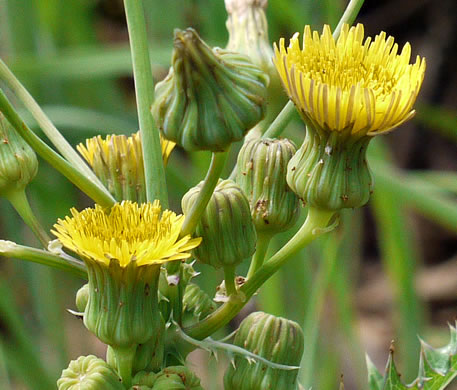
(390,270)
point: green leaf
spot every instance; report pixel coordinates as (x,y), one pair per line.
(375,379)
(437,369)
(392,377)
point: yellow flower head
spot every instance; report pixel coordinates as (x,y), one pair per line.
(119,147)
(128,232)
(364,87)
(117,161)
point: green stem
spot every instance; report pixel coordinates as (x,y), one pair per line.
(229,276)
(124,360)
(101,196)
(211,179)
(315,224)
(20,202)
(315,306)
(285,116)
(349,16)
(39,256)
(263,241)
(281,121)
(47,126)
(156,187)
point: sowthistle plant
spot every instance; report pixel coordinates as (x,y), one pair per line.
(138,256)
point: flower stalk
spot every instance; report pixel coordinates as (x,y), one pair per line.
(156,187)
(21,204)
(212,176)
(263,242)
(40,256)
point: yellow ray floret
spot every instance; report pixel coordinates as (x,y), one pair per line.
(128,232)
(115,147)
(351,84)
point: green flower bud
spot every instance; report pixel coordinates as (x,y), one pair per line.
(210,98)
(82,296)
(330,170)
(122,307)
(176,378)
(261,174)
(168,286)
(89,373)
(144,378)
(276,339)
(18,162)
(196,303)
(226,227)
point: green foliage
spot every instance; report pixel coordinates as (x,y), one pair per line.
(437,369)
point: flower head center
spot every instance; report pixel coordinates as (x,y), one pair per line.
(128,232)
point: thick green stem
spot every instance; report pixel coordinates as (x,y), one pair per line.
(79,179)
(47,126)
(20,202)
(68,264)
(156,187)
(285,116)
(211,179)
(263,241)
(315,224)
(229,276)
(124,360)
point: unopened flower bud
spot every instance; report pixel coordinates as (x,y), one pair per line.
(117,161)
(226,227)
(145,379)
(261,174)
(176,378)
(210,98)
(196,303)
(18,162)
(276,339)
(82,296)
(89,373)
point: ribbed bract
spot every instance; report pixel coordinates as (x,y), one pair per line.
(210,98)
(89,373)
(261,174)
(330,170)
(226,227)
(276,339)
(176,378)
(122,309)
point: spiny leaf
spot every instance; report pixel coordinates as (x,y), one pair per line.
(391,377)
(437,369)
(375,379)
